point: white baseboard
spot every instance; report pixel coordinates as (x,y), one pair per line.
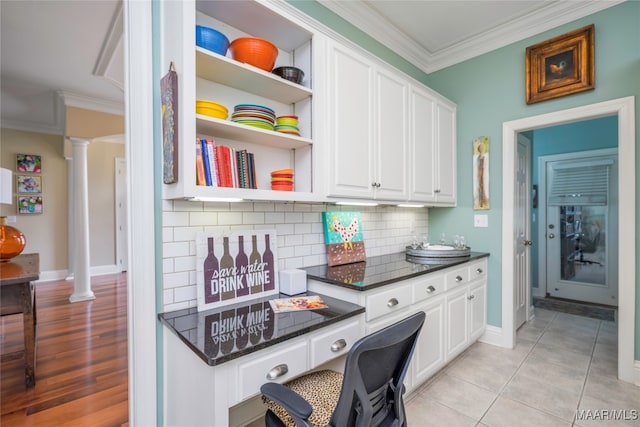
(492,335)
(100,270)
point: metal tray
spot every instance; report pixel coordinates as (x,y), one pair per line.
(438,251)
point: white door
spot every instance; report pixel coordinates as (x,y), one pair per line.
(121,214)
(580,229)
(521,222)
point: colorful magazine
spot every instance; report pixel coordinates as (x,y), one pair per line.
(297,303)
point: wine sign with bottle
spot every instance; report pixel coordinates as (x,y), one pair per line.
(235,266)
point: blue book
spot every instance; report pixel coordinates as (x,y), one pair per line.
(205,160)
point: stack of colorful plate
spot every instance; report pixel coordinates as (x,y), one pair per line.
(287,124)
(254,115)
(282,179)
(211,109)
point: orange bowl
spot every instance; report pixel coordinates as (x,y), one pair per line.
(255,51)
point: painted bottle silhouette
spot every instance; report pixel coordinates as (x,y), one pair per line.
(255,323)
(241,265)
(267,258)
(227,339)
(226,265)
(211,293)
(242,331)
(255,259)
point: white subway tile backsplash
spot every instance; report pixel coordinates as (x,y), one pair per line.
(298,227)
(177,249)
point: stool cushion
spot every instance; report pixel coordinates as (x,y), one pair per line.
(321,389)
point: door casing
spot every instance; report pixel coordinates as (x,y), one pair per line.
(624,108)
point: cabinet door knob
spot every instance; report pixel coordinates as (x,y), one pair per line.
(277,371)
(431,289)
(458,279)
(392,302)
(479,270)
(436,191)
(470,297)
(338,345)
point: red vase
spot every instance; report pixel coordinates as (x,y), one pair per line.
(12,241)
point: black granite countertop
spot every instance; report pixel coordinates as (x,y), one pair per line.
(232,331)
(383,270)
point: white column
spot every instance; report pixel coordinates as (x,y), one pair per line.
(82,279)
(70,219)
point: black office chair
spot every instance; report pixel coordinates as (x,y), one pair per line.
(368,394)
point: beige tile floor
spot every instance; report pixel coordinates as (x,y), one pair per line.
(562,372)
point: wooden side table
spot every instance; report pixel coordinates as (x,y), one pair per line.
(18,295)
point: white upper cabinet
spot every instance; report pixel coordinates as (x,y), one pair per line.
(432,146)
(350,124)
(367,157)
(391,138)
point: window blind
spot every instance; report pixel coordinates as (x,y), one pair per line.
(580,183)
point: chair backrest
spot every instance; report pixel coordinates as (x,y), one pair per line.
(374,374)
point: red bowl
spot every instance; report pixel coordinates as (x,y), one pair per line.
(255,51)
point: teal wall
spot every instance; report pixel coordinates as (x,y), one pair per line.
(587,135)
(489,90)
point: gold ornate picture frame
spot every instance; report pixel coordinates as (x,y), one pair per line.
(561,66)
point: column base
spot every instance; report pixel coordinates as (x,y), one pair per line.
(82,297)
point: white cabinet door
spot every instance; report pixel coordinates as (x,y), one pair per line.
(351,153)
(423,162)
(429,353)
(446,156)
(457,322)
(477,309)
(390,136)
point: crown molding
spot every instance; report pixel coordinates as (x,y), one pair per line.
(110,61)
(70,99)
(550,16)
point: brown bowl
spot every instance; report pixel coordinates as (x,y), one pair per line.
(255,51)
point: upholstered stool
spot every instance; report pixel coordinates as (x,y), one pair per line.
(321,389)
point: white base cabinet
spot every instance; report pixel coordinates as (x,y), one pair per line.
(453,299)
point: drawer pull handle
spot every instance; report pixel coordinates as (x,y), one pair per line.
(431,290)
(479,271)
(338,345)
(277,371)
(392,302)
(470,297)
(458,279)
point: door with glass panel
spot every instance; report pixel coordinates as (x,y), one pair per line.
(581,227)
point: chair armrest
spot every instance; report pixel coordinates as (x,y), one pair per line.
(288,399)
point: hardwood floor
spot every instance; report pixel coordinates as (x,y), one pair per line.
(81,359)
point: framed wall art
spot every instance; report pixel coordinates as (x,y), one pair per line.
(561,66)
(481,173)
(29,183)
(29,163)
(343,237)
(29,204)
(235,266)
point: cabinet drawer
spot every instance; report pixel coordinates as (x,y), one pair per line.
(427,288)
(288,361)
(457,277)
(388,301)
(478,270)
(334,343)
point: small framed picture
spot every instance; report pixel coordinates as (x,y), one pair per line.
(30,163)
(29,204)
(29,183)
(561,66)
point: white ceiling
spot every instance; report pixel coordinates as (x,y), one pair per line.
(69,52)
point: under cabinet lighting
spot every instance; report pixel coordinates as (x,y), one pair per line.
(357,203)
(215,199)
(407,205)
